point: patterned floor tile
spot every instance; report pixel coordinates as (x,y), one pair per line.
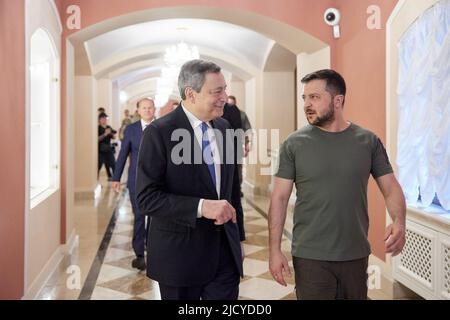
(249,249)
(116,254)
(123,227)
(262,289)
(264,255)
(252,213)
(124,263)
(124,246)
(289,280)
(252,228)
(133,284)
(254,267)
(100,293)
(109,273)
(152,294)
(119,239)
(255,240)
(259,222)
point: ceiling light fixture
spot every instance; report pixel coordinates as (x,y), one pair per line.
(174,58)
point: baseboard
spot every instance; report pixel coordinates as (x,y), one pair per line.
(88,193)
(84,195)
(50,267)
(71,244)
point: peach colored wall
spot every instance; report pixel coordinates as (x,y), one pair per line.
(305,14)
(360,55)
(43,239)
(64,133)
(12,113)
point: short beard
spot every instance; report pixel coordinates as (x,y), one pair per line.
(327,118)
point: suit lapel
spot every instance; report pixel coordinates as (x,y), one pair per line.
(138,131)
(183,123)
(221,144)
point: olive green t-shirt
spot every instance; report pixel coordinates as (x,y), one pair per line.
(331,172)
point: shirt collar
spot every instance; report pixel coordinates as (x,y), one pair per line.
(194,121)
(144,124)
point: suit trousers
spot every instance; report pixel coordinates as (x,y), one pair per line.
(139,228)
(107,158)
(224,286)
(330,280)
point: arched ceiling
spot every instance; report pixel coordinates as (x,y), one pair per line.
(129,49)
(242,43)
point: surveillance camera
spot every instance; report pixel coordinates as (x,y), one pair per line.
(332,16)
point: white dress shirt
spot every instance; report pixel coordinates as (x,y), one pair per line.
(197,127)
(144,124)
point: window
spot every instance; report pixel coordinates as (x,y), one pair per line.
(423,154)
(44,115)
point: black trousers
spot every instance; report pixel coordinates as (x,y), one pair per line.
(139,227)
(224,286)
(331,280)
(107,158)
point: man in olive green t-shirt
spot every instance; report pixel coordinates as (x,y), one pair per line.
(330,161)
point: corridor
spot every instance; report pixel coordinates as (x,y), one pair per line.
(349,98)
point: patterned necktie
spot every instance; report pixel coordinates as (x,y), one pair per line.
(207,153)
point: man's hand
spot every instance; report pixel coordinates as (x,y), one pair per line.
(107,131)
(220,210)
(278,266)
(394,238)
(116,186)
(242,251)
(246,150)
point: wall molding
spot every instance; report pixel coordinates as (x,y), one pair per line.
(45,274)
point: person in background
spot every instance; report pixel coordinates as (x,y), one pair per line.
(130,147)
(105,149)
(233,115)
(125,122)
(246,126)
(136,117)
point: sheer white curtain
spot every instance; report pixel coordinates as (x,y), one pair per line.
(423,92)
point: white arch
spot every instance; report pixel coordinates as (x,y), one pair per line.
(293,39)
(150,57)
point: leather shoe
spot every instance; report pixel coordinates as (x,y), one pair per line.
(139,263)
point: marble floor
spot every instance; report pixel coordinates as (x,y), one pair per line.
(104,254)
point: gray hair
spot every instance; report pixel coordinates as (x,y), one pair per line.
(193,75)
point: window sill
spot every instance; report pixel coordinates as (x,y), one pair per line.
(41,197)
(436,219)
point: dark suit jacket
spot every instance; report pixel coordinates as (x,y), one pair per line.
(232,114)
(182,249)
(130,146)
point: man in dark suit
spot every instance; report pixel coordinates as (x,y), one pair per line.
(130,147)
(189,186)
(233,115)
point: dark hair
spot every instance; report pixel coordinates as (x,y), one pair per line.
(101,109)
(335,82)
(232,97)
(102,115)
(193,75)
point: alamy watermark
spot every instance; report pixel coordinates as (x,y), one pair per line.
(230,148)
